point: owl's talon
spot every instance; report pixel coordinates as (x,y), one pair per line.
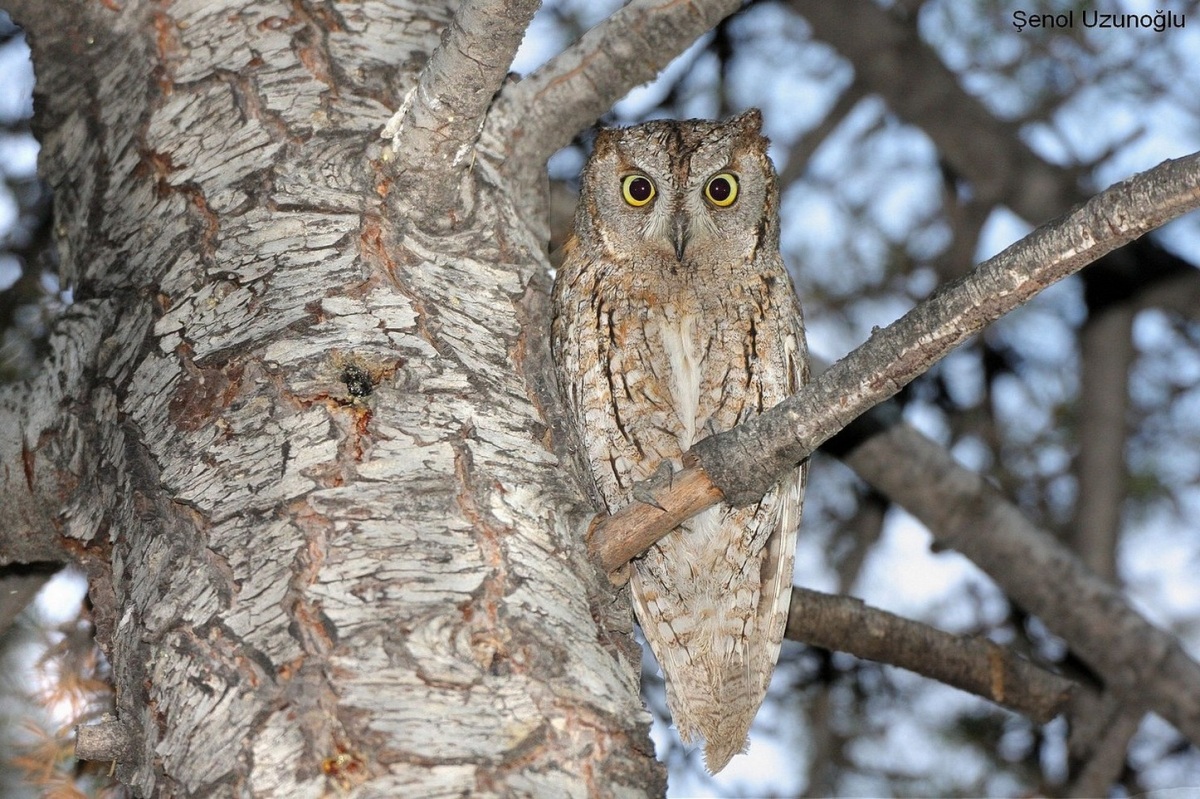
(645,496)
(643,492)
(619,576)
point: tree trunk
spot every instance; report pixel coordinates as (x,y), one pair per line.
(292,435)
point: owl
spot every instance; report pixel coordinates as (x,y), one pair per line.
(674,319)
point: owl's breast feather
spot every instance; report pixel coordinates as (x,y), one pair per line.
(685,354)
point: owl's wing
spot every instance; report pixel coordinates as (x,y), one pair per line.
(713,597)
(780,550)
(639,380)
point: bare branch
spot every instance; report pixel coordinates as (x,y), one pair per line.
(892,60)
(437,126)
(549,107)
(614,540)
(971,663)
(803,148)
(746,461)
(1138,662)
(42,489)
(743,463)
(1103,768)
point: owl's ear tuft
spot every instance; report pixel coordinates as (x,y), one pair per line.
(606,139)
(749,121)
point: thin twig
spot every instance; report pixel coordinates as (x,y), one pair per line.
(802,150)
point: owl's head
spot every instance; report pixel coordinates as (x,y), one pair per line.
(686,192)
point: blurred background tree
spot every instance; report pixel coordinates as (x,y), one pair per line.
(913,140)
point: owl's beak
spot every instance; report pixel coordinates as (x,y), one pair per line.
(679,234)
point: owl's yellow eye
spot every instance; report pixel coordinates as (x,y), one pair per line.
(721,190)
(637,190)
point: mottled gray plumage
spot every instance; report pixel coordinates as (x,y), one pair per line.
(675,318)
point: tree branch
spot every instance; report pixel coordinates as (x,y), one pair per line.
(743,463)
(1142,664)
(107,739)
(744,469)
(970,663)
(614,540)
(545,110)
(802,150)
(890,59)
(1107,759)
(47,430)
(436,128)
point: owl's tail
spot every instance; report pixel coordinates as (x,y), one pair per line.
(722,702)
(711,601)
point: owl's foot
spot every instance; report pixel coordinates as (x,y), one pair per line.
(644,491)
